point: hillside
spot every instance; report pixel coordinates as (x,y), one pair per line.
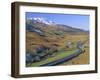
(45,38)
(51,28)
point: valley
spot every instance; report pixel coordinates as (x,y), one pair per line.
(49,42)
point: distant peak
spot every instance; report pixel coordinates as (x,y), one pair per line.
(42,20)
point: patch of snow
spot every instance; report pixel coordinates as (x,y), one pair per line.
(42,20)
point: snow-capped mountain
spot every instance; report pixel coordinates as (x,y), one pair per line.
(42,20)
(43,26)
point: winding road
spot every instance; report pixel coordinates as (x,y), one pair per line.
(75,54)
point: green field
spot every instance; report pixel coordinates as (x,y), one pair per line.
(57,56)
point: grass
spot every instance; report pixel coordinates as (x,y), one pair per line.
(58,55)
(33,38)
(33,41)
(81,59)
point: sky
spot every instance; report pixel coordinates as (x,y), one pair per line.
(73,20)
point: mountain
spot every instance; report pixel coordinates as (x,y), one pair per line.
(41,20)
(45,27)
(42,33)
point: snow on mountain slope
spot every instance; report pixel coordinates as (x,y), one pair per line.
(42,20)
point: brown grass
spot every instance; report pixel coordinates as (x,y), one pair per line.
(33,40)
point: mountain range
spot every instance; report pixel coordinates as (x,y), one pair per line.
(45,27)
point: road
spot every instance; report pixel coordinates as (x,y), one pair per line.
(75,54)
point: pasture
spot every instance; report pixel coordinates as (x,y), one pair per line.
(59,46)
